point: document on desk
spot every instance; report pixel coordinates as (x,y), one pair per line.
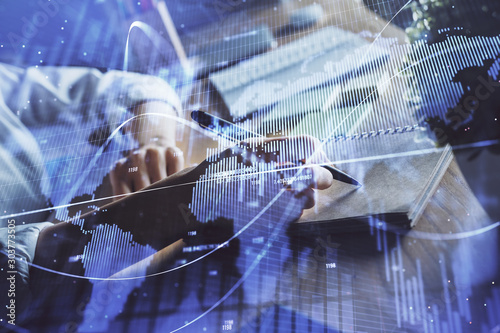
(327,57)
(399,173)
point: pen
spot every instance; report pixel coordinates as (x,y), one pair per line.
(234,132)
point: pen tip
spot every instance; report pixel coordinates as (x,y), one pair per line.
(355,183)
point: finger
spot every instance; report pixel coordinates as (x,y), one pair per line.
(295,203)
(297,180)
(118,185)
(138,171)
(155,164)
(323,179)
(309,198)
(310,177)
(174,159)
(306,198)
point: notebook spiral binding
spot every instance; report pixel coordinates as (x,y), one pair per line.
(371,134)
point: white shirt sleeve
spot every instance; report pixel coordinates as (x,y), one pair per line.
(40,94)
(37,97)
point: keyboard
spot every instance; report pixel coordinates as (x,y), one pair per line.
(327,56)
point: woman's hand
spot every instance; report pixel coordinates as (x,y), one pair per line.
(145,166)
(154,129)
(258,177)
(266,181)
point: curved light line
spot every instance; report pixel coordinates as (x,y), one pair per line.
(364,56)
(98,155)
(237,234)
(241,280)
(190,124)
(431,56)
(151,33)
(461,235)
(392,19)
(419,234)
(415,234)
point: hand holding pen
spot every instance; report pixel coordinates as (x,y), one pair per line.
(236,133)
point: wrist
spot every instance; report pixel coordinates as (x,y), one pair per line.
(155,123)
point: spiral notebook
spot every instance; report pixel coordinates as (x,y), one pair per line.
(399,173)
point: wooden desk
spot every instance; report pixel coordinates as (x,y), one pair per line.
(435,277)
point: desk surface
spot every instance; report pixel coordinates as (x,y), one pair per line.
(437,277)
(441,276)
